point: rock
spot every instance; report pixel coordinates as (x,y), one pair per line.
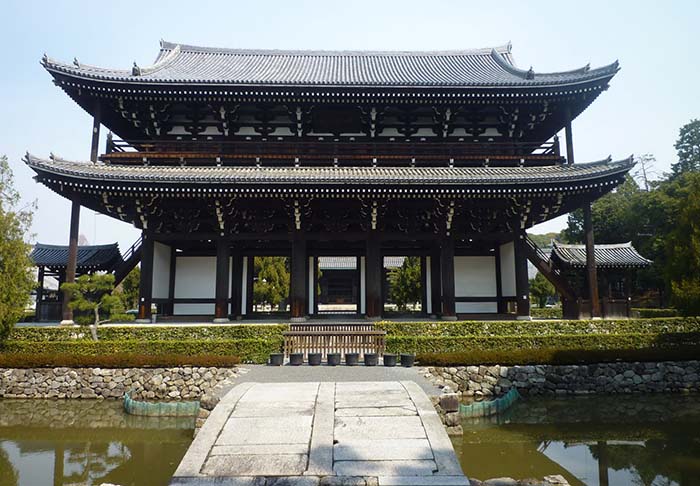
(500,482)
(556,479)
(453,419)
(449,402)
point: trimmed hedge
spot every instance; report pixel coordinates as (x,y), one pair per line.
(647,312)
(547,312)
(525,329)
(421,344)
(150,333)
(247,350)
(118,360)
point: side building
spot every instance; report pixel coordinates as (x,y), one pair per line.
(227,154)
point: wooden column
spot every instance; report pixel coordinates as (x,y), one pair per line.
(522,283)
(146,283)
(299,265)
(447,271)
(96,120)
(222,280)
(237,285)
(569,140)
(39,295)
(72,259)
(591,273)
(171,280)
(435,280)
(373,276)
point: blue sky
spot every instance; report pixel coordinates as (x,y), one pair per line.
(655,93)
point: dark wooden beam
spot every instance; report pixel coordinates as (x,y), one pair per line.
(435,280)
(171,281)
(237,285)
(373,276)
(522,283)
(96,120)
(72,258)
(146,284)
(591,272)
(39,295)
(223,252)
(250,275)
(569,139)
(447,271)
(298,282)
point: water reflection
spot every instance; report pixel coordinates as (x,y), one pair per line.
(591,441)
(68,442)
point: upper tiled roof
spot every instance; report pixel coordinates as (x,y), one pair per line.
(350,263)
(90,257)
(620,255)
(185,64)
(369,176)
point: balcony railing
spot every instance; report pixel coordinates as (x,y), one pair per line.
(318,153)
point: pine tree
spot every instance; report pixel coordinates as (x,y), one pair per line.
(688,149)
(404,283)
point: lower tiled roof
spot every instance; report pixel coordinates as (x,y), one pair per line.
(350,263)
(620,255)
(90,257)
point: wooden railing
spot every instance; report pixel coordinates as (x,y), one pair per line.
(334,341)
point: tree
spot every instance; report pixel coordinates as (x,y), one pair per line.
(404,283)
(93,293)
(130,288)
(16,276)
(272,284)
(688,149)
(541,289)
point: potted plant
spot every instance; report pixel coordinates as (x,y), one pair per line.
(351,359)
(407,360)
(276,359)
(333,359)
(389,359)
(296,359)
(314,359)
(371,359)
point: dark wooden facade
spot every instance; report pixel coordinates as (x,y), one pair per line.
(227,154)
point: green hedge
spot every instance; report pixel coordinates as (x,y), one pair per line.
(540,328)
(647,312)
(423,344)
(117,360)
(547,312)
(247,350)
(150,333)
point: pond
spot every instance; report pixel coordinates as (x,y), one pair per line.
(86,442)
(592,441)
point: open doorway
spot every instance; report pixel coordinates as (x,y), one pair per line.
(270,286)
(338,285)
(403,286)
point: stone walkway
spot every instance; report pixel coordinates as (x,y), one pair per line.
(383,433)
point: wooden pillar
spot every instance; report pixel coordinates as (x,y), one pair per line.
(96,120)
(435,280)
(146,283)
(424,297)
(522,283)
(373,276)
(237,285)
(569,140)
(603,479)
(222,280)
(298,278)
(447,267)
(72,259)
(171,280)
(591,273)
(39,295)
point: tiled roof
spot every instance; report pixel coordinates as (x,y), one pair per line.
(184,64)
(369,176)
(620,255)
(90,257)
(350,263)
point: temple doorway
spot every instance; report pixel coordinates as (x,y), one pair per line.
(338,286)
(403,287)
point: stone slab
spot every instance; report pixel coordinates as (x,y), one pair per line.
(382,450)
(256,465)
(273,409)
(231,481)
(321,449)
(423,481)
(384,468)
(374,402)
(256,449)
(359,386)
(266,430)
(359,428)
(376,412)
(282,392)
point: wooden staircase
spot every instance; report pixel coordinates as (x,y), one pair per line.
(543,263)
(129,260)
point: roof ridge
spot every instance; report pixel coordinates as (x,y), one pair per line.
(92,247)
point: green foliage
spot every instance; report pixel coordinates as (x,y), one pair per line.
(272,284)
(404,283)
(554,313)
(541,289)
(645,312)
(117,360)
(16,277)
(545,240)
(248,350)
(130,289)
(93,293)
(688,149)
(686,296)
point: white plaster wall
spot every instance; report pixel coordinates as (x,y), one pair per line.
(161,270)
(195,278)
(475,276)
(508,269)
(476,307)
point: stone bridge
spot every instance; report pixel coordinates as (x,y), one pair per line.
(322,434)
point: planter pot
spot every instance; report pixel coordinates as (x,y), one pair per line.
(296,359)
(351,359)
(371,359)
(407,360)
(314,359)
(333,359)
(276,359)
(389,360)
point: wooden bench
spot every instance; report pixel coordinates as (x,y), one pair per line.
(317,338)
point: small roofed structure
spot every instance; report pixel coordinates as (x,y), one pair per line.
(615,263)
(52,261)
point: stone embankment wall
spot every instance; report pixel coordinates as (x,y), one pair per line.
(485,382)
(179,383)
